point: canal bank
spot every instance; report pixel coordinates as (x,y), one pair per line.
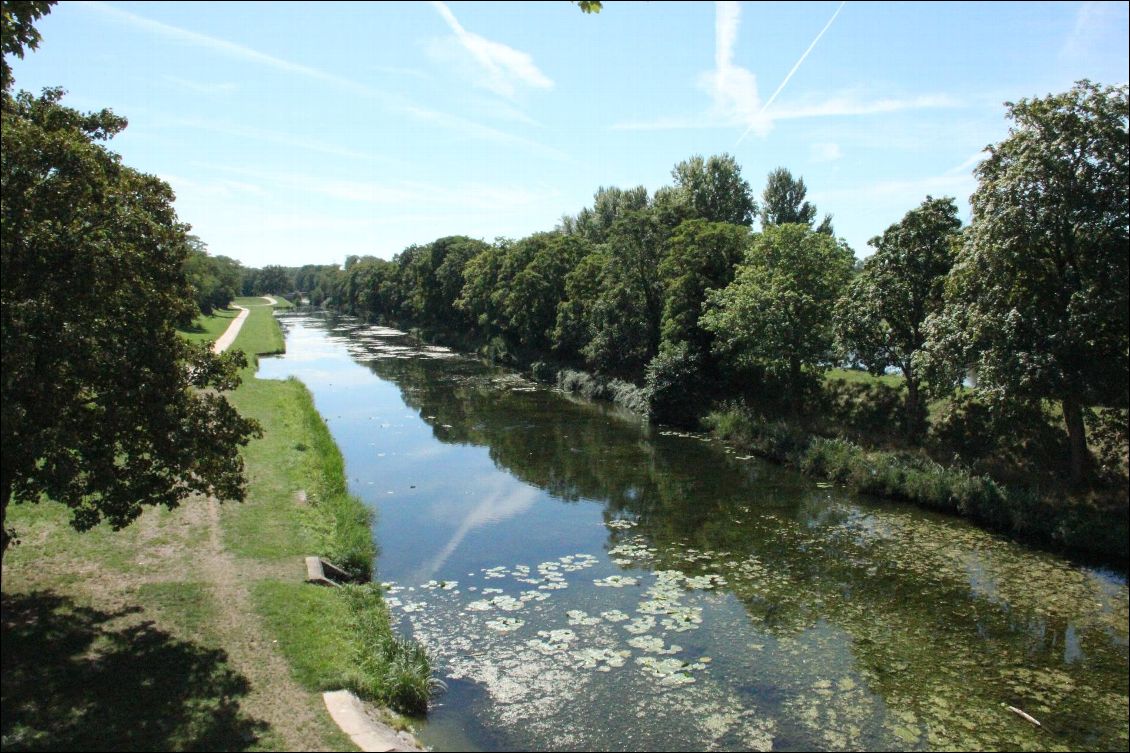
(585,580)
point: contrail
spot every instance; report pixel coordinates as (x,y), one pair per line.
(790,75)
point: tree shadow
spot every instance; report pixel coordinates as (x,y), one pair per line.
(70,681)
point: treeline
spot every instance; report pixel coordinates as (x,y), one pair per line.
(676,292)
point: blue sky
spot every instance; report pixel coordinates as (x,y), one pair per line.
(301,133)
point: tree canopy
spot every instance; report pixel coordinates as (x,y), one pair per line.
(881,319)
(105,408)
(1037,302)
(777,312)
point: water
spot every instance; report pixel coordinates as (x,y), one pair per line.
(586,581)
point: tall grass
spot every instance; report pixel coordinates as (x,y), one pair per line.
(1064,523)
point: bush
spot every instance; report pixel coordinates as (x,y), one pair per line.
(1109,438)
(870,410)
(593,387)
(675,386)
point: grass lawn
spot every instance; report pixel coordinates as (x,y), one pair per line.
(855,375)
(192,628)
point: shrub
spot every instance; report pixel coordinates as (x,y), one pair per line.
(871,410)
(674,385)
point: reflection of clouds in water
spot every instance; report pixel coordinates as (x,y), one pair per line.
(501,504)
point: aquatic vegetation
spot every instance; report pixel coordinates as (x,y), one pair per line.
(617,581)
(505,624)
(653,645)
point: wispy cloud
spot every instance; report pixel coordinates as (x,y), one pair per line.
(735,101)
(732,88)
(475,196)
(839,105)
(479,131)
(220,88)
(967,165)
(275,137)
(500,68)
(227,48)
(393,102)
(851,104)
(1096,25)
(794,69)
(825,151)
(959,186)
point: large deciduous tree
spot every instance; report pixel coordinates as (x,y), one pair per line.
(1037,301)
(713,189)
(777,312)
(105,407)
(881,319)
(783,202)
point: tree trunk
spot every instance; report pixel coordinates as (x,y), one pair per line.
(794,386)
(913,409)
(6,539)
(1077,437)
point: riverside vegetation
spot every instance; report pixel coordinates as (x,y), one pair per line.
(155,610)
(671,304)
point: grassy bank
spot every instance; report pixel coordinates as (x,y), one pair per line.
(193,628)
(1090,527)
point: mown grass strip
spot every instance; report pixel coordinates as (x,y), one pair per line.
(332,638)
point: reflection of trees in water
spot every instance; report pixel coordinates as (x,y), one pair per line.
(934,647)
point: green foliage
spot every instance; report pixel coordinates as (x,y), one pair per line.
(1037,301)
(272,279)
(391,670)
(783,203)
(533,296)
(714,190)
(609,204)
(1110,438)
(623,321)
(870,410)
(18,32)
(674,384)
(573,329)
(104,407)
(215,280)
(881,318)
(701,257)
(777,313)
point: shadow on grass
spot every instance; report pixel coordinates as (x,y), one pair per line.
(70,681)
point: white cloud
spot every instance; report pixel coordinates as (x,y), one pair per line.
(825,151)
(732,88)
(500,68)
(735,101)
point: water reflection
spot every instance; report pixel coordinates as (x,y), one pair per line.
(832,622)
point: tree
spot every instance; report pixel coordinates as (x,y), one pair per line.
(19,32)
(105,407)
(777,312)
(714,189)
(1037,302)
(783,203)
(701,257)
(624,319)
(881,318)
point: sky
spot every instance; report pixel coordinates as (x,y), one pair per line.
(301,133)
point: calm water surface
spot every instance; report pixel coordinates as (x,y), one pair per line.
(587,581)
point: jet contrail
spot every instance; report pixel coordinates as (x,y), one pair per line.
(790,75)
